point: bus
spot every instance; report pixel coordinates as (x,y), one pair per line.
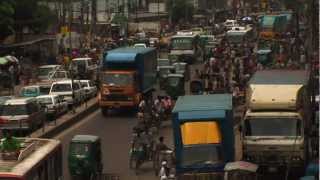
(240,34)
(185,46)
(39,159)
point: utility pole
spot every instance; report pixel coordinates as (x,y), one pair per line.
(70,54)
(93,19)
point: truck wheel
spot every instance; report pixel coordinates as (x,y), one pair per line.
(104,111)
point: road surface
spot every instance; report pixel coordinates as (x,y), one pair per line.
(115,132)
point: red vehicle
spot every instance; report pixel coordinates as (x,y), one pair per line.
(39,159)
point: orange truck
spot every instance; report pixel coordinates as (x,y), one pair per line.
(127,75)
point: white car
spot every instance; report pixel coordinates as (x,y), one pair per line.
(54,105)
(89,87)
(65,88)
(140,45)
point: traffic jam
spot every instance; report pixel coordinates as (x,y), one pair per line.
(234,99)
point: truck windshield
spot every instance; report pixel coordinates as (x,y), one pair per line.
(118,79)
(201,155)
(13,110)
(272,126)
(182,43)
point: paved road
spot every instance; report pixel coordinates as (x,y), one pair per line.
(115,132)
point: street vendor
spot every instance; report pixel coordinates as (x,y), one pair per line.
(9,143)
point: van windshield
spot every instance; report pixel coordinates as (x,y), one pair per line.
(12,110)
(272,126)
(61,88)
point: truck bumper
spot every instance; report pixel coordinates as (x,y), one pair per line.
(116,104)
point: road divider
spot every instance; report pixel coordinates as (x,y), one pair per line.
(52,128)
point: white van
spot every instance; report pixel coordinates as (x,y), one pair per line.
(64,89)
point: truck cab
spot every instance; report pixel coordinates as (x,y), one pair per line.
(127,75)
(203,135)
(276,119)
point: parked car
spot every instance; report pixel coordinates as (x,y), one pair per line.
(71,92)
(34,90)
(21,114)
(44,71)
(85,68)
(89,87)
(54,105)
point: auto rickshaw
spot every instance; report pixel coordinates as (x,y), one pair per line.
(85,157)
(174,86)
(163,73)
(196,87)
(240,170)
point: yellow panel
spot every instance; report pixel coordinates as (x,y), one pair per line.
(200,133)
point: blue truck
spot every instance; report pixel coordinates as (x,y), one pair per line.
(127,74)
(203,135)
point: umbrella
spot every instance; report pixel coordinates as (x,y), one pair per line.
(3,61)
(12,59)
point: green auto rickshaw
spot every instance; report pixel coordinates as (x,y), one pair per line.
(174,85)
(85,157)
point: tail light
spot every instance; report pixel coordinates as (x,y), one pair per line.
(3,121)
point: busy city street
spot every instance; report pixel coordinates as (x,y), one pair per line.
(159,90)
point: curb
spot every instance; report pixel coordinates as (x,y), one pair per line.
(56,129)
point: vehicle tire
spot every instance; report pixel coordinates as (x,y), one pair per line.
(104,111)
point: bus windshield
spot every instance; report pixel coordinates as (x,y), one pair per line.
(182,43)
(272,126)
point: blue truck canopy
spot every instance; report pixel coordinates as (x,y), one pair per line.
(204,108)
(142,60)
(280,77)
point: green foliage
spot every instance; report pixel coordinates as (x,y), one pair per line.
(6,17)
(180,10)
(17,14)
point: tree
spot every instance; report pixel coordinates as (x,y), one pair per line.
(180,10)
(30,14)
(6,18)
